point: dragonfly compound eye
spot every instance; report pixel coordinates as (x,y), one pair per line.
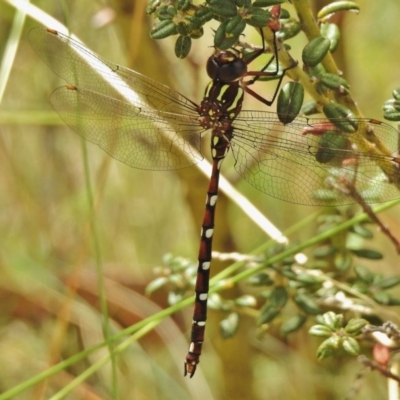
(225,66)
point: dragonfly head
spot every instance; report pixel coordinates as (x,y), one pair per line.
(226,66)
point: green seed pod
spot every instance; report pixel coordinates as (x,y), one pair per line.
(315,51)
(229,325)
(257,17)
(293,324)
(290,100)
(235,26)
(351,346)
(320,331)
(307,304)
(341,117)
(223,8)
(337,6)
(355,326)
(182,46)
(163,29)
(332,33)
(368,253)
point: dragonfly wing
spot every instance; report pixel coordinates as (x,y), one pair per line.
(139,137)
(282,161)
(80,67)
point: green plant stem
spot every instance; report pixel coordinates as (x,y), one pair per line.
(100,270)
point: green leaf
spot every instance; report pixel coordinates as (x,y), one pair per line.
(155,285)
(341,116)
(332,320)
(257,17)
(343,261)
(389,282)
(182,46)
(293,324)
(290,101)
(337,6)
(267,3)
(235,26)
(381,297)
(324,251)
(330,31)
(355,326)
(351,346)
(320,331)
(223,8)
(307,304)
(315,51)
(364,273)
(334,82)
(267,314)
(261,279)
(229,325)
(327,348)
(246,301)
(289,28)
(279,297)
(368,253)
(163,29)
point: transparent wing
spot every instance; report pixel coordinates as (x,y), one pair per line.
(288,163)
(134,119)
(141,138)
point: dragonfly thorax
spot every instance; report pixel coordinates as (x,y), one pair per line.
(221,104)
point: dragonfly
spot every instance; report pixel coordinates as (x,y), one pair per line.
(147,125)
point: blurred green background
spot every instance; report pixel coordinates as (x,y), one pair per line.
(49,307)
